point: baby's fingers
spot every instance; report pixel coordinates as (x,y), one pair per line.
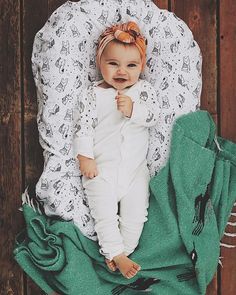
(95,172)
(92,174)
(122,97)
(88,174)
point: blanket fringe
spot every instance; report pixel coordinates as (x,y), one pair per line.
(227,245)
(229,234)
(220,261)
(231,223)
(217,144)
(31,202)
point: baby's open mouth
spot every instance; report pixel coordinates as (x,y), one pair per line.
(120,80)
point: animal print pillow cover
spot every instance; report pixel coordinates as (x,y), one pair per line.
(63,62)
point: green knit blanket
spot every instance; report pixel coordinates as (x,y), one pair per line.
(190,203)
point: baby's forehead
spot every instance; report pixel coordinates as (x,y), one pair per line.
(115,50)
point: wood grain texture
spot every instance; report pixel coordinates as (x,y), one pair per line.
(54,4)
(228,123)
(33,166)
(11,221)
(228,68)
(38,10)
(33,152)
(200,15)
(9,56)
(163,4)
(212,288)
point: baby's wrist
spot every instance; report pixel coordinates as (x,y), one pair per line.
(83,158)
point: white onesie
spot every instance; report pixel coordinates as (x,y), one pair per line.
(119,146)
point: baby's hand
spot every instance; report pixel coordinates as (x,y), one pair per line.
(124,104)
(88,166)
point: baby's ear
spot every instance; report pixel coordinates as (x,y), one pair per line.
(97,63)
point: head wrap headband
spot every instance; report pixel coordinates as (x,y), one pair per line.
(128,33)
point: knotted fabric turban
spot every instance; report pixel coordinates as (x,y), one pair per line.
(128,33)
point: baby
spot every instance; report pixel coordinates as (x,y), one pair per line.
(112,141)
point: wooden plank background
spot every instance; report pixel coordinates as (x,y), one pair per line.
(214,28)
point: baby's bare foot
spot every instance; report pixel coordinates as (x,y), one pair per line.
(111,264)
(127,267)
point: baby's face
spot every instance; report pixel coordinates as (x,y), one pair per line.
(120,65)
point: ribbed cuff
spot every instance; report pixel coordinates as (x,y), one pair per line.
(83,146)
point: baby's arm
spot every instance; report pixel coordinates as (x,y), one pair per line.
(146,110)
(83,138)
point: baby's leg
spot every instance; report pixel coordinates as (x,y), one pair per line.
(133,214)
(133,211)
(102,200)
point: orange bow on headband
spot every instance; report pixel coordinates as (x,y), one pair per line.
(128,33)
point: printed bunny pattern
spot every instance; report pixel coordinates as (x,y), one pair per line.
(63,62)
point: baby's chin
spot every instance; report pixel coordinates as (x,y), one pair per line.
(121,85)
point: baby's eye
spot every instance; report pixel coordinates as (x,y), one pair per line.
(132,65)
(112,63)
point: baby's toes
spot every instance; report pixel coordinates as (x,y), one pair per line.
(128,275)
(111,265)
(136,266)
(131,273)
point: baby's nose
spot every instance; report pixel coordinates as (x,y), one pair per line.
(121,71)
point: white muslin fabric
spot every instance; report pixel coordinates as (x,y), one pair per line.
(120,146)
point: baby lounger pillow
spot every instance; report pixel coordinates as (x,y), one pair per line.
(63,62)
